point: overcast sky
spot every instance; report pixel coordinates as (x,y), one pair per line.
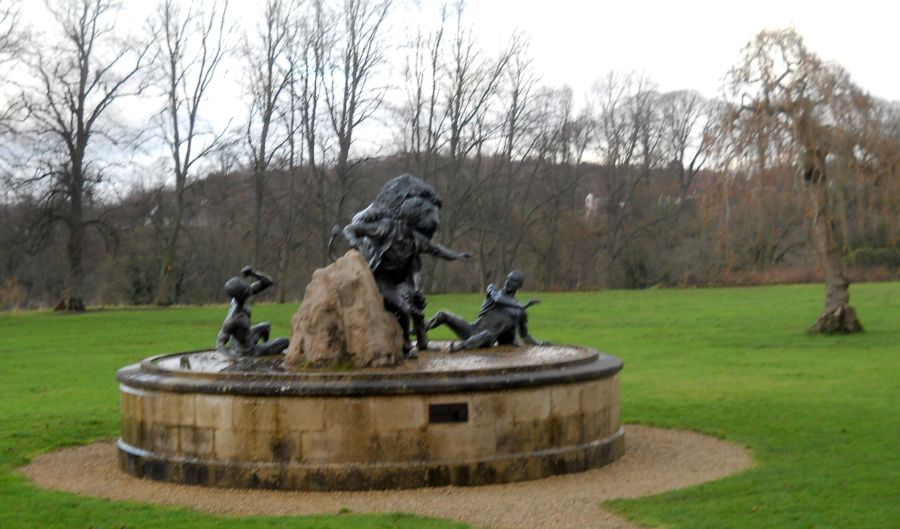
(679,44)
(692,43)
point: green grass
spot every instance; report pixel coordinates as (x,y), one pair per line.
(821,415)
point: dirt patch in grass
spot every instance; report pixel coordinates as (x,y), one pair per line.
(656,460)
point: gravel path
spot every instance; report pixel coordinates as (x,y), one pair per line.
(655,461)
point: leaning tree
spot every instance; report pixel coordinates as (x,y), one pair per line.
(788,106)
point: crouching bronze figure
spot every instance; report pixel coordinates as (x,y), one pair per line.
(246,340)
(500,318)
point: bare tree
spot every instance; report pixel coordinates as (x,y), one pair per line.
(350,93)
(11,39)
(629,143)
(310,62)
(688,132)
(191,47)
(341,53)
(421,119)
(10,29)
(473,82)
(877,190)
(79,78)
(515,165)
(269,69)
(781,88)
(466,99)
(759,218)
(563,138)
(651,147)
(291,209)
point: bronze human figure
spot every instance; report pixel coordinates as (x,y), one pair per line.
(246,340)
(501,316)
(392,233)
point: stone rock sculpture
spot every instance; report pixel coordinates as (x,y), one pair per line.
(342,320)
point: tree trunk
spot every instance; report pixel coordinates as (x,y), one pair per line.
(839,316)
(283,264)
(72,295)
(259,195)
(165,291)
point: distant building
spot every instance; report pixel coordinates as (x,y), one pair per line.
(591,204)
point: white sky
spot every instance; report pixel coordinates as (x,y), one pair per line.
(678,44)
(691,44)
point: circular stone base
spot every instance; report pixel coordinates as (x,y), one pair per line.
(490,416)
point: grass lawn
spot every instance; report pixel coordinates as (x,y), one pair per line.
(821,415)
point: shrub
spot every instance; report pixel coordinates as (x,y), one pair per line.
(12,294)
(888,256)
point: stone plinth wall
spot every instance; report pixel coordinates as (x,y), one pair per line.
(171,432)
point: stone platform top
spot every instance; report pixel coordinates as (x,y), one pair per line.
(497,368)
